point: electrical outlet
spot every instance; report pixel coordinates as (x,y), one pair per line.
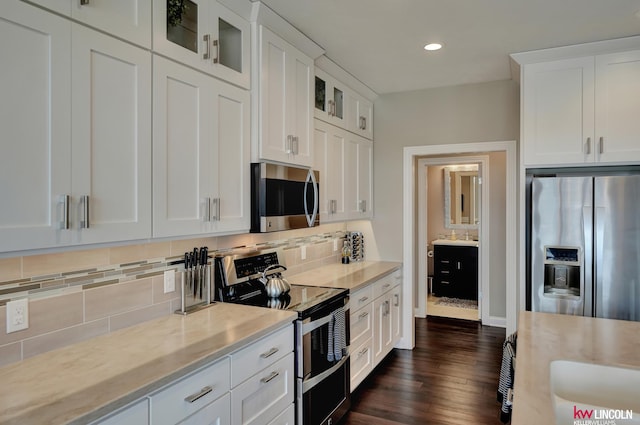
(17,315)
(169,281)
(303,252)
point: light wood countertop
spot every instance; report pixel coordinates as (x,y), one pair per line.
(352,276)
(85,381)
(544,337)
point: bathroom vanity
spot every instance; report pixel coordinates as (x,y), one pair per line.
(455,265)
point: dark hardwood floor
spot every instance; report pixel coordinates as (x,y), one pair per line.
(450,377)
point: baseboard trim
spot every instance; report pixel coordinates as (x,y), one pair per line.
(498,322)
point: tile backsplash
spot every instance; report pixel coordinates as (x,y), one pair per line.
(78,295)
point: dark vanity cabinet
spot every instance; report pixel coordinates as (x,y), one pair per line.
(455,272)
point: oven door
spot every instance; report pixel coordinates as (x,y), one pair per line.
(312,339)
(328,398)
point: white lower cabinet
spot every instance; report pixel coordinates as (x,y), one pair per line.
(136,414)
(215,413)
(374,324)
(187,396)
(265,395)
(288,417)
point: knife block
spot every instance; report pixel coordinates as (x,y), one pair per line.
(189,302)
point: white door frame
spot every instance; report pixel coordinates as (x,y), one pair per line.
(483,229)
(410,154)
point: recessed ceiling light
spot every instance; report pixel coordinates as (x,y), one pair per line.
(433,46)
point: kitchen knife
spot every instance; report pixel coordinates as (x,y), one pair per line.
(204,257)
(187,280)
(194,267)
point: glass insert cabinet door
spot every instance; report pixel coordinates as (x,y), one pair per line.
(329,98)
(205,35)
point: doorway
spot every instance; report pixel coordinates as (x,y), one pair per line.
(450,222)
(506,308)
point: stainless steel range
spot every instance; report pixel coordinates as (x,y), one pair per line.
(323,393)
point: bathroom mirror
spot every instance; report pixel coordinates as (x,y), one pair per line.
(461,197)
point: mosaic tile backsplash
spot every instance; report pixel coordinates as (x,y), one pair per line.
(97,294)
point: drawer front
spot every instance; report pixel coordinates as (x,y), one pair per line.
(259,399)
(260,354)
(288,417)
(360,298)
(137,414)
(187,396)
(216,413)
(383,286)
(361,326)
(361,362)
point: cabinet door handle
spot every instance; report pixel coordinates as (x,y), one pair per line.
(207,209)
(216,44)
(203,392)
(84,2)
(601,145)
(64,202)
(84,203)
(587,146)
(215,202)
(269,353)
(273,375)
(458,265)
(296,140)
(334,206)
(363,206)
(289,143)
(397,297)
(363,315)
(363,299)
(207,47)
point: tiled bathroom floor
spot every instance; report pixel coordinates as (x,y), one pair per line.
(447,311)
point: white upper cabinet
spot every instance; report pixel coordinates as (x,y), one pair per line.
(205,35)
(111,138)
(582,110)
(127,19)
(330,144)
(35,152)
(80,180)
(340,105)
(201,153)
(618,107)
(330,99)
(359,177)
(359,115)
(558,112)
(285,102)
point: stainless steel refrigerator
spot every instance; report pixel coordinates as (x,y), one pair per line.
(585,246)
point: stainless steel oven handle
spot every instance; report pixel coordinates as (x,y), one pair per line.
(311,326)
(310,383)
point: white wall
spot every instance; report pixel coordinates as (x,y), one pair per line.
(460,114)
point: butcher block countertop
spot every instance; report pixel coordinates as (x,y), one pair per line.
(544,337)
(85,381)
(352,276)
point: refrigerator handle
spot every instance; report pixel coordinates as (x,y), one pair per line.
(598,253)
(587,278)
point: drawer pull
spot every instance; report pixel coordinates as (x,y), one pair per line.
(386,285)
(445,282)
(363,352)
(270,377)
(203,392)
(363,315)
(444,261)
(269,353)
(444,271)
(363,299)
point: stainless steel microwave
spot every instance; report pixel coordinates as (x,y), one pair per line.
(283,197)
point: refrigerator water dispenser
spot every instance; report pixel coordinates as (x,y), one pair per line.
(562,271)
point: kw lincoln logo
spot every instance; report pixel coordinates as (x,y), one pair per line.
(601,416)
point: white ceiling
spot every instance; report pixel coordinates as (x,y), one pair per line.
(381,41)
